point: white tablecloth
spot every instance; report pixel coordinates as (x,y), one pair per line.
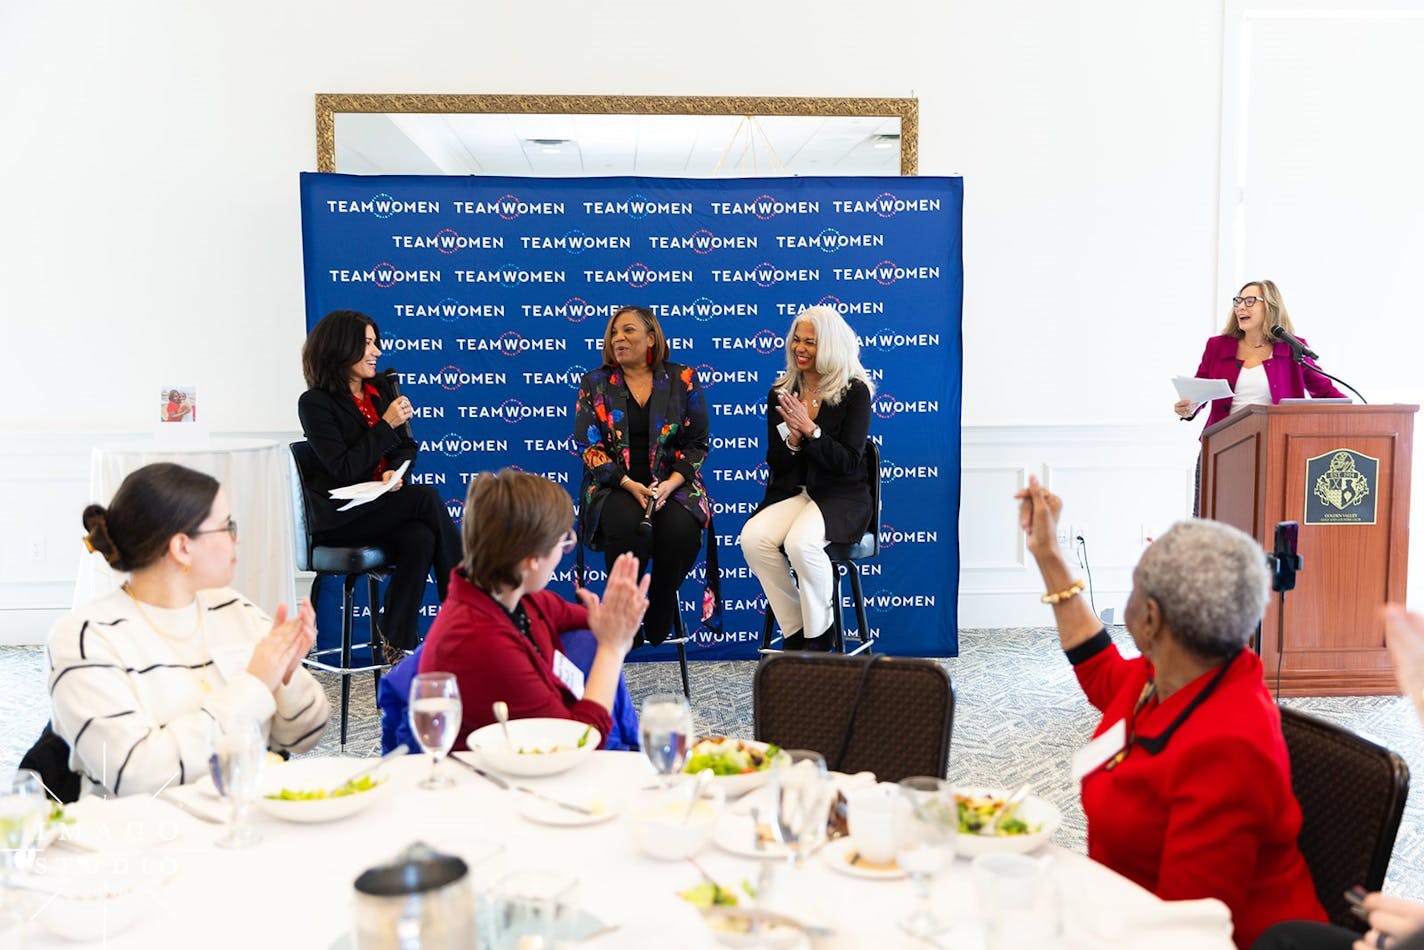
(254,474)
(294,889)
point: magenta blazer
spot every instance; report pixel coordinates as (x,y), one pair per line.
(1288,379)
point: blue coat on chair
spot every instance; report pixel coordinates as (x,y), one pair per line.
(393,695)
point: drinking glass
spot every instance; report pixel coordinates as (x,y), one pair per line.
(530,908)
(801,800)
(435,720)
(665,730)
(926,845)
(23,810)
(236,764)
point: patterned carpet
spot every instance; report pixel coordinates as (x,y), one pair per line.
(1018,719)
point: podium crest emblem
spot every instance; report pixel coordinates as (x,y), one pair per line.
(1341,488)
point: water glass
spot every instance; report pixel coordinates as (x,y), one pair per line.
(1019,899)
(801,797)
(435,713)
(530,908)
(24,807)
(236,764)
(665,731)
(926,845)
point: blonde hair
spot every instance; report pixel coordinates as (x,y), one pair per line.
(1276,315)
(837,355)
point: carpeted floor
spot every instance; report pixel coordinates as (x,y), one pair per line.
(1018,718)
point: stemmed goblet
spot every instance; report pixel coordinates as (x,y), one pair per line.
(435,713)
(801,797)
(236,764)
(665,731)
(926,845)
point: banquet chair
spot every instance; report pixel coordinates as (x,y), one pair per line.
(349,564)
(845,560)
(889,715)
(1352,794)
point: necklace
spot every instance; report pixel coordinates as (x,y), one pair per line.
(1257,346)
(198,625)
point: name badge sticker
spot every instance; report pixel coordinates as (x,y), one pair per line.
(570,675)
(1096,753)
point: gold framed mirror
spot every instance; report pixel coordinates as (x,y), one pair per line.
(561,135)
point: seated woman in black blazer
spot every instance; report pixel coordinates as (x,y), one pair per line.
(358,431)
(817,419)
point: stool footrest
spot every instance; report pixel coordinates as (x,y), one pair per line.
(311,664)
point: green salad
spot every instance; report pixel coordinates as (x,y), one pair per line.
(975,811)
(729,756)
(535,750)
(355,787)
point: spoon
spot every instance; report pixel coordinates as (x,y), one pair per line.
(501,712)
(1010,805)
(401,749)
(698,784)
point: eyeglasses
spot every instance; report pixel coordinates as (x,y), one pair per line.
(230,528)
(569,542)
(1246,301)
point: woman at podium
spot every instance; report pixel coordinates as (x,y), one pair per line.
(1258,367)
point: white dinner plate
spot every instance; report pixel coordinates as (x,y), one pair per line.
(838,855)
(316,773)
(547,813)
(737,834)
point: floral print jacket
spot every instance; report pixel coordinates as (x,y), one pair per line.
(677,413)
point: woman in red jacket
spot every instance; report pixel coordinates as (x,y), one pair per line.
(1186,785)
(498,630)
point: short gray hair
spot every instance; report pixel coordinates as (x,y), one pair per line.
(1211,582)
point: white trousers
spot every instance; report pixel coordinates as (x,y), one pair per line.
(796,525)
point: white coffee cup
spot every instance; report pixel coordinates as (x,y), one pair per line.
(1018,897)
(872,815)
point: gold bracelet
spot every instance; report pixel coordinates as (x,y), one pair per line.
(1067,593)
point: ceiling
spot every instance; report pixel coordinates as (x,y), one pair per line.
(685,146)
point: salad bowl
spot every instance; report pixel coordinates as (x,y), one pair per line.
(1030,826)
(738,765)
(536,746)
(302,790)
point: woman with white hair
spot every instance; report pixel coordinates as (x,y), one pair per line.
(1186,785)
(817,418)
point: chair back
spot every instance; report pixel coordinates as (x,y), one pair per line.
(892,715)
(869,544)
(1352,794)
(301,459)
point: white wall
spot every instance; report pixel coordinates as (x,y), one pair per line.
(152,151)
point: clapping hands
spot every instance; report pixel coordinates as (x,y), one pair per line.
(615,618)
(277,655)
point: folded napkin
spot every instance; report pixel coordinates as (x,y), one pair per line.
(1102,909)
(133,822)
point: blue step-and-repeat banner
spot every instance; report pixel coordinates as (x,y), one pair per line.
(492,295)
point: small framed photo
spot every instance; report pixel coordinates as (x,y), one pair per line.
(178,404)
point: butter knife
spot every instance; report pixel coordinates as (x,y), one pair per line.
(765,916)
(490,777)
(168,796)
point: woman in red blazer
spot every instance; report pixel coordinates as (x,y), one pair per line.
(1186,785)
(499,630)
(1258,368)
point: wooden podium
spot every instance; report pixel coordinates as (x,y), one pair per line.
(1266,464)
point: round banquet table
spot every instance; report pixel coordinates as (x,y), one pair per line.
(294,888)
(255,476)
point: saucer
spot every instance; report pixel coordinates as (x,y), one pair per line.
(838,855)
(547,813)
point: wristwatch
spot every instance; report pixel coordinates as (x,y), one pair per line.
(816,433)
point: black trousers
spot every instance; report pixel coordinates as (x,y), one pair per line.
(672,546)
(415,529)
(1305,935)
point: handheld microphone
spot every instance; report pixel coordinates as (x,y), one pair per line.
(393,382)
(1300,349)
(645,527)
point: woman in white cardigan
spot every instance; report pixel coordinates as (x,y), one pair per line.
(141,680)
